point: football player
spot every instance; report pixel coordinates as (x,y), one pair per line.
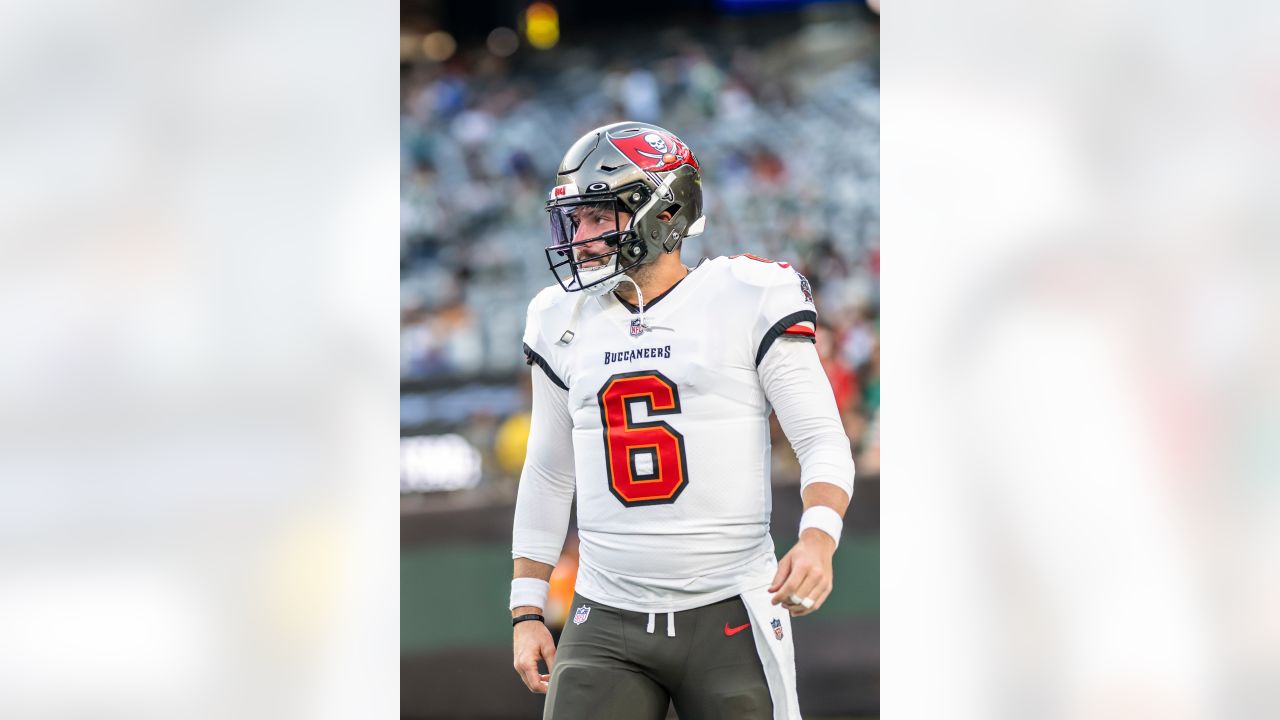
(651,398)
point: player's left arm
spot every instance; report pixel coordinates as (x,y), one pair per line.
(801,395)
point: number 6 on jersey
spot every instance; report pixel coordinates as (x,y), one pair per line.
(644,461)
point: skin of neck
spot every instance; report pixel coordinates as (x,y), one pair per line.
(653,278)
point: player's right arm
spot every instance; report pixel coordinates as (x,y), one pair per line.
(541,517)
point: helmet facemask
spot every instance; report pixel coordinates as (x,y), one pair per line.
(623,248)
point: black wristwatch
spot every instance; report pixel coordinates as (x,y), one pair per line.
(531,616)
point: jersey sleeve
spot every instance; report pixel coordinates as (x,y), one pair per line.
(547,480)
(785,309)
(801,396)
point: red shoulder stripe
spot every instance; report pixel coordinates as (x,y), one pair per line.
(798,329)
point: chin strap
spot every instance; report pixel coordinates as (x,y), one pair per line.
(640,302)
(595,290)
(569,332)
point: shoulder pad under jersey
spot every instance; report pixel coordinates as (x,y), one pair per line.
(784,301)
(546,320)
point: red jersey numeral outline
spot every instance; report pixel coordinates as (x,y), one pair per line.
(625,438)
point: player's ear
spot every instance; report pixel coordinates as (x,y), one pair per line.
(665,216)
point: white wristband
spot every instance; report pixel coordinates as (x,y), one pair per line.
(824,519)
(529,591)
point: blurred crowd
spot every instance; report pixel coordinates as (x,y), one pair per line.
(786,133)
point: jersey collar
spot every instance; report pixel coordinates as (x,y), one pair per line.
(650,303)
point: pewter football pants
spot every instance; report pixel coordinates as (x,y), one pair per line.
(611,666)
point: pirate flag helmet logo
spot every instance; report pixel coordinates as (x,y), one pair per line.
(654,151)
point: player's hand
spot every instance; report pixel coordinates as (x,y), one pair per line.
(531,641)
(805,572)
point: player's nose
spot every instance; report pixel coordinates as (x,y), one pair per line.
(591,248)
(586,231)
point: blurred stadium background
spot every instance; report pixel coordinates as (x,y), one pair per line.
(780,102)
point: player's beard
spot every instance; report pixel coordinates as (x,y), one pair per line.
(640,274)
(645,271)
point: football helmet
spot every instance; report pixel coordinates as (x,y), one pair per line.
(626,167)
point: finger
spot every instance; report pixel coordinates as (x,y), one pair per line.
(528,669)
(817,594)
(784,569)
(826,591)
(788,588)
(787,594)
(529,676)
(803,581)
(798,609)
(813,582)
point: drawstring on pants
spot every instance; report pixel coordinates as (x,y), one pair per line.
(671,624)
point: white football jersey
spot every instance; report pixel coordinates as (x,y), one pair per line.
(670,429)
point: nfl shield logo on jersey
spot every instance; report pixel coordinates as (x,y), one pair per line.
(777,628)
(636,328)
(581,615)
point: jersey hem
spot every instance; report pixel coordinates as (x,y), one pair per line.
(734,591)
(599,595)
